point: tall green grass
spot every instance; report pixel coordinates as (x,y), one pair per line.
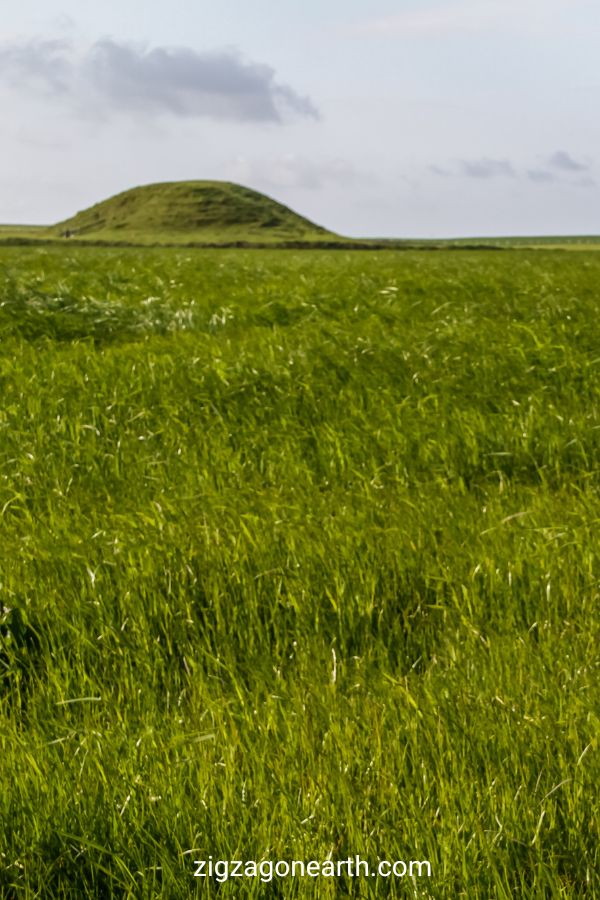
(299,558)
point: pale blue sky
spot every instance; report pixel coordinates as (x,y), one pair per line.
(443,117)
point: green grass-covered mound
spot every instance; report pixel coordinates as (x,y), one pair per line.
(178,211)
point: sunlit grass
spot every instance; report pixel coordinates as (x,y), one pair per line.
(299,558)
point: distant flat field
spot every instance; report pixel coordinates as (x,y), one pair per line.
(570,242)
(49,234)
(299,560)
(7,231)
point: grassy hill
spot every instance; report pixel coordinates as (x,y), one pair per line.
(190,211)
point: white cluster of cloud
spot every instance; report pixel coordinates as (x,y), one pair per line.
(112,75)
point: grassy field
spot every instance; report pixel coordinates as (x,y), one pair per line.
(299,560)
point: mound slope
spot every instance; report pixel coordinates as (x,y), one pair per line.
(190,211)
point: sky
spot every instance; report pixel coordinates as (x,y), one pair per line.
(392,119)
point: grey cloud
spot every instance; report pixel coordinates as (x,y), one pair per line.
(558,169)
(565,163)
(540,176)
(40,64)
(177,80)
(187,83)
(486,168)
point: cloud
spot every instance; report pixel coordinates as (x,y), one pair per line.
(540,176)
(565,163)
(557,170)
(180,81)
(292,171)
(41,64)
(486,168)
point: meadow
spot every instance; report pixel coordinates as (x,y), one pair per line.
(299,560)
